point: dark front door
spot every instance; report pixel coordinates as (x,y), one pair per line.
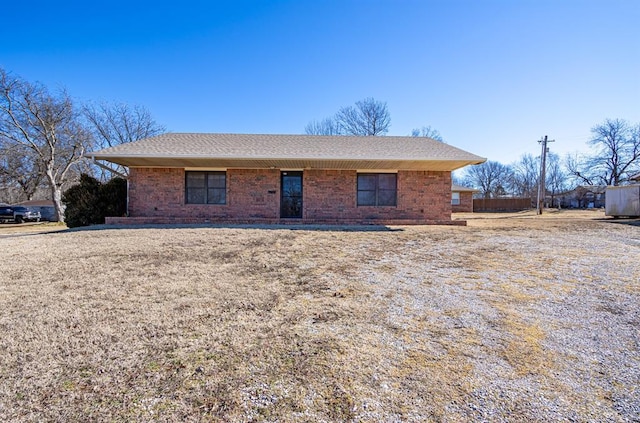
(291,194)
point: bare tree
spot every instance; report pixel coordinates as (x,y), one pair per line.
(46,125)
(20,168)
(579,170)
(491,178)
(114,124)
(617,145)
(556,177)
(367,117)
(328,126)
(427,131)
(525,176)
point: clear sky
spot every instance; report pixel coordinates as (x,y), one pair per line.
(493,76)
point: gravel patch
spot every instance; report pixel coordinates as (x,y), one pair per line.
(548,322)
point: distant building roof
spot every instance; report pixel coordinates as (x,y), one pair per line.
(289,151)
(635,177)
(460,188)
(594,189)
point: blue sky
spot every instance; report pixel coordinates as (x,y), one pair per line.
(493,76)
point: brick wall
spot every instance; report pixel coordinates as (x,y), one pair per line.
(328,194)
(254,195)
(155,191)
(466,202)
(251,193)
(425,195)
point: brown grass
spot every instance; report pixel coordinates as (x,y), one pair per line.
(275,324)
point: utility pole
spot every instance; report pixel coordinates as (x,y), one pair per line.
(543,170)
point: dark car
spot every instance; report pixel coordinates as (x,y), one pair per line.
(19,214)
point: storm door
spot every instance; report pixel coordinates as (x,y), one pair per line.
(291,194)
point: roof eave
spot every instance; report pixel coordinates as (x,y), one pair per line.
(289,163)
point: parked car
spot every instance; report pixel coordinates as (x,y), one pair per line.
(18,214)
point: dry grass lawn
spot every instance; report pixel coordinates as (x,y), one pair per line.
(512,318)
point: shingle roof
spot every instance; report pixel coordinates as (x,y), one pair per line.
(288,151)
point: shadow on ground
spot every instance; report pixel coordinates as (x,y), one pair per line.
(622,221)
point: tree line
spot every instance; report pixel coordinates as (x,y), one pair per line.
(519,179)
(613,157)
(614,154)
(44,136)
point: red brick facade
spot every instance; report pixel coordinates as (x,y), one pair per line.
(157,195)
(466,203)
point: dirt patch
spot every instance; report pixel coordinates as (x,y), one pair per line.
(519,318)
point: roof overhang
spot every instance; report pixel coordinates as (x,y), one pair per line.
(260,151)
(289,163)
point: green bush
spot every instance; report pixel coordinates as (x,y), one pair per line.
(91,201)
(113,198)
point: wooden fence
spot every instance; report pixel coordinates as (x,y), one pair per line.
(501,204)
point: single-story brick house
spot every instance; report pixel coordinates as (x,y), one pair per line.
(581,197)
(462,198)
(243,178)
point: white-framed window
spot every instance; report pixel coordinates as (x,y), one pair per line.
(455,198)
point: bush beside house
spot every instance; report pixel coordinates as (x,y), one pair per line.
(91,201)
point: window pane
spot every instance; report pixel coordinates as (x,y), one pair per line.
(216,180)
(387,198)
(216,196)
(292,186)
(366,198)
(387,181)
(205,187)
(366,182)
(195,195)
(292,206)
(196,179)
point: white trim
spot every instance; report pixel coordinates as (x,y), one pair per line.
(376,170)
(205,169)
(153,167)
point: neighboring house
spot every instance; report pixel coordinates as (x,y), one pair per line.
(462,198)
(243,178)
(581,197)
(635,178)
(45,207)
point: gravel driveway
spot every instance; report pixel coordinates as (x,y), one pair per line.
(545,315)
